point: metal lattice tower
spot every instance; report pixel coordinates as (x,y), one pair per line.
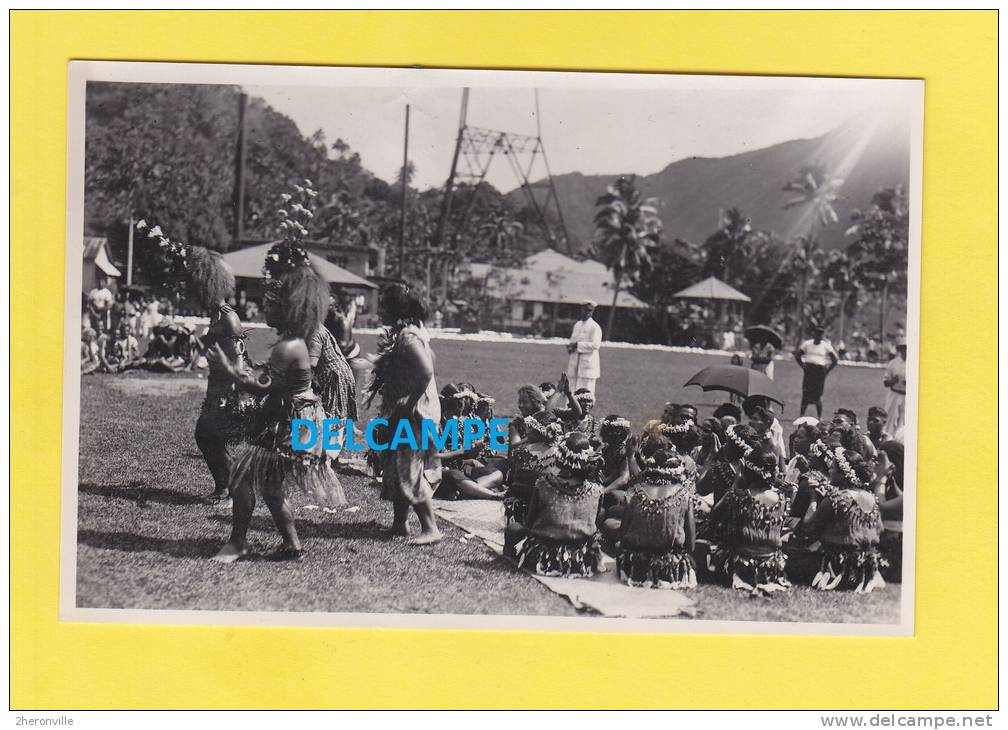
(475,150)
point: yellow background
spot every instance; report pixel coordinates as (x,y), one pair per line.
(949,663)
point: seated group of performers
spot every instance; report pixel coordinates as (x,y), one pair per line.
(682,501)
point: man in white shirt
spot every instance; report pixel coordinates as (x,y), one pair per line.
(100,301)
(816,358)
(586,338)
(895,381)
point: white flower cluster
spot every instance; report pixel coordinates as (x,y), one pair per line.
(670,430)
(737,440)
(846,469)
(172,248)
(820,449)
(295,214)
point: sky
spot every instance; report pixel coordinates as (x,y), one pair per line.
(589,130)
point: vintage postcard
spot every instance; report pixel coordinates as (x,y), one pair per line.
(491,350)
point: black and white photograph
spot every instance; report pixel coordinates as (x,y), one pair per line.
(665,326)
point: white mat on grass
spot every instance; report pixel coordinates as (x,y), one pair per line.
(604,592)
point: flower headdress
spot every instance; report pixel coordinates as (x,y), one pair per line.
(614,429)
(549,432)
(732,433)
(847,470)
(669,470)
(484,398)
(294,215)
(749,465)
(582,461)
(820,449)
(466,397)
(584,396)
(668,429)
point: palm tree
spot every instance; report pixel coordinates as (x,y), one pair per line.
(726,243)
(627,228)
(816,192)
(499,231)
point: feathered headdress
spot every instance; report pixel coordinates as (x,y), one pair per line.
(294,217)
(175,253)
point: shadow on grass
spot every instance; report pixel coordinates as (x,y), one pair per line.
(494,564)
(370,530)
(201,548)
(139,493)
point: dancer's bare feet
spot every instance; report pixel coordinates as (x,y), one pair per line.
(229,554)
(398,531)
(427,538)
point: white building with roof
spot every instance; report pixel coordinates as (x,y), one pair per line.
(550,287)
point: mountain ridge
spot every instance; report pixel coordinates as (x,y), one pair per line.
(692,191)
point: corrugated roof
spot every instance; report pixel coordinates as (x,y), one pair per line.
(712,288)
(549,276)
(248,263)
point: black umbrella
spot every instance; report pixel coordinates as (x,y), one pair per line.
(760,333)
(741,381)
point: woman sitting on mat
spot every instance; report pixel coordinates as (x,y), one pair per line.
(848,523)
(463,474)
(750,555)
(530,400)
(559,537)
(528,461)
(654,541)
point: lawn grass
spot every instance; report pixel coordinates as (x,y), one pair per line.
(144,537)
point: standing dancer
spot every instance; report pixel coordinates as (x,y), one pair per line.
(295,304)
(220,426)
(340,322)
(332,380)
(403,375)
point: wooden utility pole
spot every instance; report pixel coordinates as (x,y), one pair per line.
(449,191)
(404,174)
(239,194)
(129,254)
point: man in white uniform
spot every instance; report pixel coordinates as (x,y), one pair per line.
(895,381)
(585,340)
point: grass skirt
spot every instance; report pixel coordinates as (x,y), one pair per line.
(857,569)
(647,569)
(270,465)
(758,575)
(309,479)
(554,558)
(515,509)
(226,415)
